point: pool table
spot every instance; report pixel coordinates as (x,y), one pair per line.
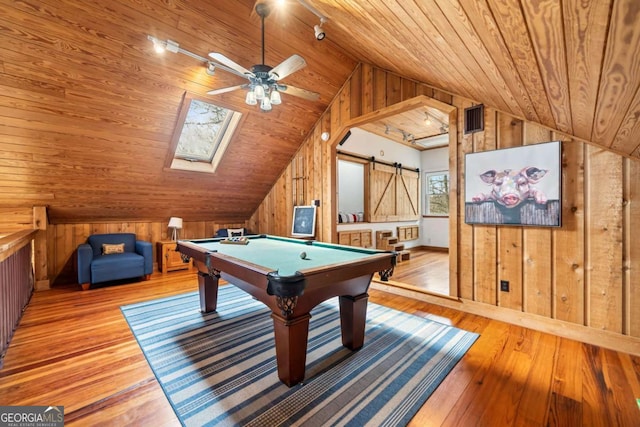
(275,271)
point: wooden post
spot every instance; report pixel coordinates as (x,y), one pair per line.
(40,223)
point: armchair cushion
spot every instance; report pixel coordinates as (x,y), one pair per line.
(114,256)
(116,266)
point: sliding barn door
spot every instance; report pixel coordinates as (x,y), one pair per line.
(394,194)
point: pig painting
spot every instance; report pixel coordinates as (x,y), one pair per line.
(510,187)
(514,186)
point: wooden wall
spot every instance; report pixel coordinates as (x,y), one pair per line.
(586,272)
(15,218)
(63,240)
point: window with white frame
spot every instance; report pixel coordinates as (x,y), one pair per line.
(202,135)
(436,200)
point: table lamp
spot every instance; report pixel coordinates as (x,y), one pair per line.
(176,224)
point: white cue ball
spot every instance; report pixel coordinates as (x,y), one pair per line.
(303,255)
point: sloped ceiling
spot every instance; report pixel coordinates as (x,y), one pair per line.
(88,109)
(570,65)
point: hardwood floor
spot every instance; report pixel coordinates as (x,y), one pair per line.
(75,349)
(426,270)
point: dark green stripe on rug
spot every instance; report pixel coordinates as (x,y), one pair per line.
(219,368)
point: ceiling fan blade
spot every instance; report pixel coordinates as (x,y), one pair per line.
(288,66)
(300,93)
(226,89)
(229,63)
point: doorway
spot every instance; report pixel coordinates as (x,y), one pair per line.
(427,267)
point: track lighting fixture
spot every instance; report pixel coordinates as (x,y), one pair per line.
(169,45)
(319,32)
(211,68)
(406,136)
(444,127)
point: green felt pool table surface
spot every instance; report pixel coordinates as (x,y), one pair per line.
(283,254)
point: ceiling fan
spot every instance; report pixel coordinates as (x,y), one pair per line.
(264,81)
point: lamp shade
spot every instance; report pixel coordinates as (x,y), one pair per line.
(251,98)
(265,104)
(175,222)
(275,97)
(259,91)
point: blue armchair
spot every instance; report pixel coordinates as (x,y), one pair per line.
(113,256)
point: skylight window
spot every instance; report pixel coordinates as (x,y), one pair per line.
(203,133)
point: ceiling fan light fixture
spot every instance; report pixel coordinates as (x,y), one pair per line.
(251,98)
(264,81)
(265,105)
(275,97)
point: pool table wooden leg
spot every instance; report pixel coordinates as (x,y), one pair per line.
(208,287)
(291,347)
(353,316)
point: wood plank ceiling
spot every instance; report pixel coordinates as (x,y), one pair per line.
(88,109)
(570,65)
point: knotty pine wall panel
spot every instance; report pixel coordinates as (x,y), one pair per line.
(586,272)
(510,238)
(537,245)
(14,219)
(464,259)
(603,241)
(485,278)
(568,241)
(632,247)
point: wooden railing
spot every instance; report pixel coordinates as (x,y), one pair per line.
(16,282)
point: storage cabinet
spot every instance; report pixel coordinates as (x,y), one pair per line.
(169,258)
(361,238)
(408,232)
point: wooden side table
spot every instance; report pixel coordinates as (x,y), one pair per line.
(169,258)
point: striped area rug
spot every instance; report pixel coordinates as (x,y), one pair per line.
(219,368)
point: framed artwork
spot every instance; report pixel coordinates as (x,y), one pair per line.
(304,221)
(514,186)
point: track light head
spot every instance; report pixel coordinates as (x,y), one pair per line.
(211,68)
(320,34)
